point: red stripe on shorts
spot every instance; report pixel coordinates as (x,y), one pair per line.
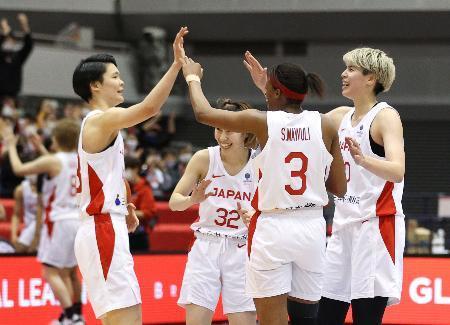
(105,235)
(48,210)
(254,219)
(386,211)
(387,230)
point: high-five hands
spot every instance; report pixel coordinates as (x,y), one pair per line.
(257,72)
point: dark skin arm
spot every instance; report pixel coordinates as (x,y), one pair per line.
(248,121)
(336,182)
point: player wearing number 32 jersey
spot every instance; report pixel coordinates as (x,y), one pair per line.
(299,160)
(222,178)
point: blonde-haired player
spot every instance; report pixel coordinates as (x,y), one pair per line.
(220,178)
(365,252)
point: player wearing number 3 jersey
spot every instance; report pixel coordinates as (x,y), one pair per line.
(222,178)
(299,160)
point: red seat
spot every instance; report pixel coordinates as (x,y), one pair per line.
(165,215)
(5,230)
(171,237)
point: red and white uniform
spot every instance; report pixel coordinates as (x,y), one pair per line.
(365,252)
(101,246)
(60,215)
(287,233)
(29,198)
(216,262)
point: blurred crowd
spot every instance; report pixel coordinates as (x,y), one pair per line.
(161,161)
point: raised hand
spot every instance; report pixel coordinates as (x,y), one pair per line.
(257,72)
(199,192)
(178,48)
(192,67)
(355,150)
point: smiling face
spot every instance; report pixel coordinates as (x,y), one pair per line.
(355,83)
(228,139)
(111,88)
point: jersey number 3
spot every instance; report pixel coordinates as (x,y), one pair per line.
(297,173)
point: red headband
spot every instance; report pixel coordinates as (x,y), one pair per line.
(287,92)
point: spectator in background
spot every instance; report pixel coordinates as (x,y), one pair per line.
(46,117)
(13,56)
(142,198)
(152,57)
(154,174)
(157,132)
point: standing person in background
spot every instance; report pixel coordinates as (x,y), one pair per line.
(102,245)
(216,262)
(143,200)
(299,160)
(13,56)
(365,252)
(56,252)
(26,205)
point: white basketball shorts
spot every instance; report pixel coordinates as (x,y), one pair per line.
(287,254)
(216,265)
(365,260)
(103,254)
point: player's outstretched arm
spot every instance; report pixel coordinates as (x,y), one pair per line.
(48,164)
(118,118)
(192,187)
(250,120)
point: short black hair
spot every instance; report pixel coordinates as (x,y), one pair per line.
(132,162)
(90,70)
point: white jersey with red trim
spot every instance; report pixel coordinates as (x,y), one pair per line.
(367,194)
(217,214)
(102,189)
(29,198)
(63,203)
(293,165)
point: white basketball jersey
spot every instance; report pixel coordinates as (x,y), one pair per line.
(367,195)
(62,202)
(217,214)
(293,165)
(29,202)
(102,188)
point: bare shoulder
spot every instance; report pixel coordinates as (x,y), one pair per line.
(336,115)
(18,191)
(96,133)
(198,165)
(387,118)
(200,160)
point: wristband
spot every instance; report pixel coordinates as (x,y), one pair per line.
(192,77)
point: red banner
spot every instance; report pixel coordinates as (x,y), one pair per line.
(25,297)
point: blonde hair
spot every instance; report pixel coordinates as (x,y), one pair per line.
(373,61)
(66,133)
